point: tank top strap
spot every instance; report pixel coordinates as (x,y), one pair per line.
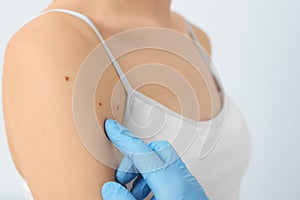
(198,45)
(116,65)
(205,56)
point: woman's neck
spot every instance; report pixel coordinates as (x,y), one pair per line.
(152,11)
(148,10)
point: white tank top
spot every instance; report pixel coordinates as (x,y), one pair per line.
(220,151)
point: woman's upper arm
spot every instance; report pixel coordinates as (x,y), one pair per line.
(37,103)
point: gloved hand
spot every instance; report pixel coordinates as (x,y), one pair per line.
(156,167)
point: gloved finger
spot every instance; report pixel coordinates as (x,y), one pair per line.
(126,171)
(141,155)
(115,191)
(123,139)
(140,189)
(165,151)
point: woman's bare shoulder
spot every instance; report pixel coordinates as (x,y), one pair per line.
(37,104)
(201,35)
(52,33)
(203,38)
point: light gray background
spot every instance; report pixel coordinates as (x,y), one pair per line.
(256,48)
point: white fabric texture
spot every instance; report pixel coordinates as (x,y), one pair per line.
(220,150)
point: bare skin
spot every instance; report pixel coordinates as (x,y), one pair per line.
(40,65)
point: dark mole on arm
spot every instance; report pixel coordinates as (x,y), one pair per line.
(67,78)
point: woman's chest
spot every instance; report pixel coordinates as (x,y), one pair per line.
(164,77)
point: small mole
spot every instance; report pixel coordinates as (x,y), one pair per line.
(67,78)
(117,107)
(100,103)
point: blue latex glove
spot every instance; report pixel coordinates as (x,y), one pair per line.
(155,167)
